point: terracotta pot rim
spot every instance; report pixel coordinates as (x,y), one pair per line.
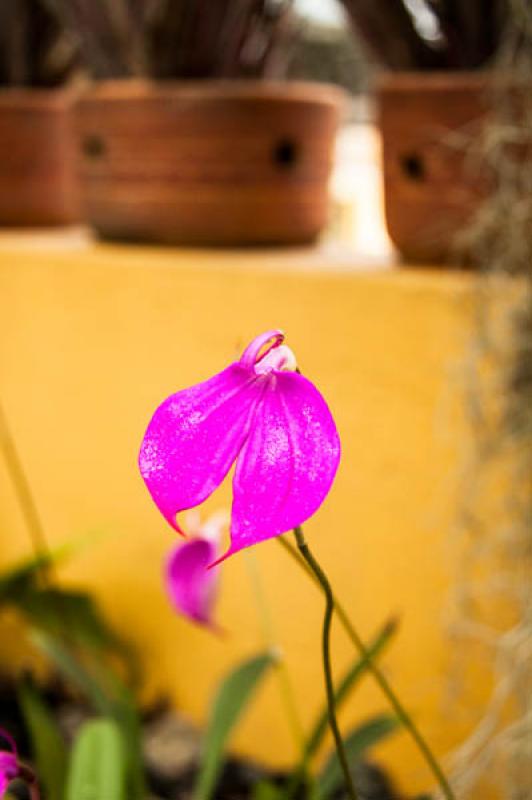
(448,80)
(24,97)
(115,91)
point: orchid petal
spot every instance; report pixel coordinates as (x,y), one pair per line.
(195,436)
(287,464)
(191,586)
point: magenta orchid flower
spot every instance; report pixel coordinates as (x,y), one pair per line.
(260,413)
(191,586)
(9,766)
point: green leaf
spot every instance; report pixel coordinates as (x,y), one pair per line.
(68,613)
(97,766)
(346,684)
(232,697)
(48,747)
(58,611)
(126,715)
(264,790)
(356,743)
(26,574)
(15,582)
(74,671)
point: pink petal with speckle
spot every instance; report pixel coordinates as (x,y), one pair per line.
(191,586)
(287,464)
(195,436)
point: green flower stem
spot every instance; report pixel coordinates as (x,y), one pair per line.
(400,711)
(285,686)
(326,647)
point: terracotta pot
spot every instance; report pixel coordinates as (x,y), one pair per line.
(38,182)
(214,163)
(433,184)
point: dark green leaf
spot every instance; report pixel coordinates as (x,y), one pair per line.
(48,747)
(356,743)
(231,700)
(74,671)
(98,764)
(71,614)
(27,574)
(14,583)
(64,612)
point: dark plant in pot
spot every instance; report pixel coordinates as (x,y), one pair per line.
(188,136)
(433,92)
(38,183)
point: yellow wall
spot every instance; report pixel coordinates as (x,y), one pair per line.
(93,337)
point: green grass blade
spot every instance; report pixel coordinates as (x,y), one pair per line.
(232,698)
(98,766)
(48,747)
(356,743)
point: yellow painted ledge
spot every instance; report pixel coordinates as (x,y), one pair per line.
(93,337)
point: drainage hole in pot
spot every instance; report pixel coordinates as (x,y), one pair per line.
(285,153)
(93,146)
(413,166)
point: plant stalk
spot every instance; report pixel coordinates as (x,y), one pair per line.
(399,709)
(326,648)
(285,685)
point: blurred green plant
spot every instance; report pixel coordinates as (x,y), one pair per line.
(67,627)
(69,630)
(330,780)
(78,646)
(47,743)
(233,695)
(344,687)
(362,738)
